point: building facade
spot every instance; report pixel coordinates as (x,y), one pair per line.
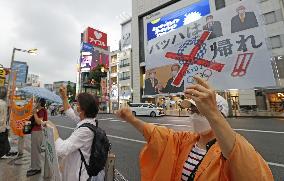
(124,77)
(58,84)
(33,80)
(113,81)
(49,87)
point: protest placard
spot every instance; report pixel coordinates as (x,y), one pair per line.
(228,48)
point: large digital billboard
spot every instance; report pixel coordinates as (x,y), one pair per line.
(230,52)
(176,19)
(89,62)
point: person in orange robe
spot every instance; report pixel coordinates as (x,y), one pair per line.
(228,155)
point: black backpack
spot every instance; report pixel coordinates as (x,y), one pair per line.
(99,151)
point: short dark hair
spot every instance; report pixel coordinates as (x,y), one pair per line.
(42,102)
(210,16)
(89,104)
(3,92)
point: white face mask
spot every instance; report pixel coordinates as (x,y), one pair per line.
(200,124)
(76,113)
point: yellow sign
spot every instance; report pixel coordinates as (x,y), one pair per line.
(2,77)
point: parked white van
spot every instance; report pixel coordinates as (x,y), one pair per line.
(146,109)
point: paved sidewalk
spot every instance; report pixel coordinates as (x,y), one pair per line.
(16,169)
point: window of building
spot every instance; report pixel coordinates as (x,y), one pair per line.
(275,42)
(124,62)
(270,17)
(125,88)
(220,4)
(114,80)
(124,75)
(113,69)
(113,59)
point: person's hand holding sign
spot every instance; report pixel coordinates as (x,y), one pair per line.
(64,97)
(55,130)
(205,99)
(204,96)
(63,92)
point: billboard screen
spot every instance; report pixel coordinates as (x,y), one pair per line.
(22,71)
(100,58)
(89,62)
(177,19)
(86,61)
(95,38)
(229,51)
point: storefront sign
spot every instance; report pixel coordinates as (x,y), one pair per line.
(234,56)
(104,87)
(51,153)
(95,38)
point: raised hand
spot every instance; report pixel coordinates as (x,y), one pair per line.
(204,97)
(63,92)
(125,114)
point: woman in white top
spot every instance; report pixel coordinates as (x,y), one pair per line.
(81,138)
(4,142)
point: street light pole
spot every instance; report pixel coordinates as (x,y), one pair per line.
(30,51)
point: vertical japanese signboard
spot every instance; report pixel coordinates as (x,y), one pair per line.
(2,76)
(229,51)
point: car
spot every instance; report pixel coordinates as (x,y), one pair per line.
(146,109)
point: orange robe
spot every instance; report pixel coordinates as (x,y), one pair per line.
(164,155)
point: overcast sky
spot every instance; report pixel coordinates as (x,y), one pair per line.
(54,27)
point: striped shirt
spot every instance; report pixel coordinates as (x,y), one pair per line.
(194,158)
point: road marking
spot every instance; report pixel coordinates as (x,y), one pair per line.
(276,164)
(177,125)
(105,119)
(64,127)
(259,131)
(118,174)
(116,120)
(161,124)
(127,139)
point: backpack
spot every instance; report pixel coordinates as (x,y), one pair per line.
(99,151)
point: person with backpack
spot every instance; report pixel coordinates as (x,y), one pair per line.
(214,151)
(40,119)
(84,153)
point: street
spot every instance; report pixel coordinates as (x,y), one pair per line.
(266,135)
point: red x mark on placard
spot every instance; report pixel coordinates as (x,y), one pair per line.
(191,59)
